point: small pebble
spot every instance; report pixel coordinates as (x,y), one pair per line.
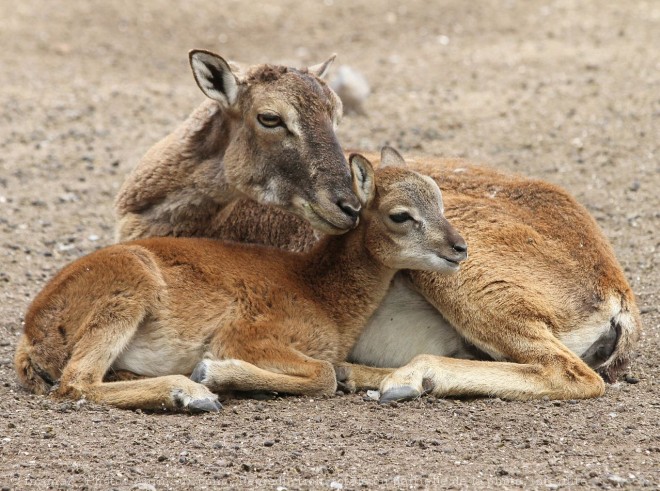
(144,486)
(373,395)
(618,480)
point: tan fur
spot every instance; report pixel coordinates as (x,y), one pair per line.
(185,185)
(540,270)
(244,317)
(542,282)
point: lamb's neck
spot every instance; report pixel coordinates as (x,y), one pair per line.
(347,279)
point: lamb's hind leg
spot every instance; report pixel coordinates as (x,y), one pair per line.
(95,352)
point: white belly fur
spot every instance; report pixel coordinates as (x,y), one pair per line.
(157,350)
(405,325)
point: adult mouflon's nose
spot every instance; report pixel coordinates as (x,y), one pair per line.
(350,206)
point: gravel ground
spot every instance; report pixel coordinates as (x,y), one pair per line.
(562,90)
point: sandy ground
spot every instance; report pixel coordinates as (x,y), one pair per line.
(563,90)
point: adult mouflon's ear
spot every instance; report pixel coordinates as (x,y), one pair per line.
(363,178)
(389,157)
(321,70)
(214,76)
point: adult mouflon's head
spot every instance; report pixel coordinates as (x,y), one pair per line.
(404,215)
(283,150)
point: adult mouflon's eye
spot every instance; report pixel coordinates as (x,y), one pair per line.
(269,120)
(400,217)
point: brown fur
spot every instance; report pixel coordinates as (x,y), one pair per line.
(222,153)
(539,269)
(263,319)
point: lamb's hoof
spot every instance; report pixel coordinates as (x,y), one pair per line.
(342,372)
(199,400)
(346,387)
(404,393)
(204,406)
(199,373)
(344,382)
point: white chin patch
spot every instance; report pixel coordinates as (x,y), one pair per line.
(430,262)
(269,195)
(442,265)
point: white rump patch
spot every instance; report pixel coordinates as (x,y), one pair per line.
(580,340)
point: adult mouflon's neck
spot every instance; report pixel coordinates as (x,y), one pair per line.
(184,169)
(204,138)
(347,279)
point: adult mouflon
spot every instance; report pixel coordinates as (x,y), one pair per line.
(266,133)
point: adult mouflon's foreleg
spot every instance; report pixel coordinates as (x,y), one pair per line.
(532,362)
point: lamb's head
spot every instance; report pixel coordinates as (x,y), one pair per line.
(404,218)
(284,150)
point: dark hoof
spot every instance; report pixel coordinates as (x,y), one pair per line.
(199,373)
(341,373)
(204,406)
(345,388)
(404,393)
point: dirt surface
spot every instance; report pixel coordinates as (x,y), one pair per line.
(563,90)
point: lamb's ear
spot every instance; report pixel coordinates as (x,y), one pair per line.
(389,157)
(321,70)
(214,76)
(363,178)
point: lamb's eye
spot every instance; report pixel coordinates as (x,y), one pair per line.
(269,120)
(400,217)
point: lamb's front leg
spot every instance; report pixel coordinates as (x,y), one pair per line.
(283,370)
